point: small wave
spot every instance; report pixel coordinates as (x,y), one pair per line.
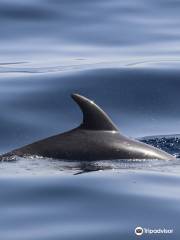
(168,143)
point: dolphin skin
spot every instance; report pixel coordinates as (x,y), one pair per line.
(97,138)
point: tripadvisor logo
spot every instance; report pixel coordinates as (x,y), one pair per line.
(139,231)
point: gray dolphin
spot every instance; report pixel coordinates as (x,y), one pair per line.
(97,138)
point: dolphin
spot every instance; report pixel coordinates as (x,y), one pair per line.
(97,138)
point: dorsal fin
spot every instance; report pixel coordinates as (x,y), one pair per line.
(94,118)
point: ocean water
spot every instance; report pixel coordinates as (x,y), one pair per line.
(124,55)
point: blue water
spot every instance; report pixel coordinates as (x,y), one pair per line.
(125,55)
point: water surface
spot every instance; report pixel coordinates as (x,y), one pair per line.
(126,57)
